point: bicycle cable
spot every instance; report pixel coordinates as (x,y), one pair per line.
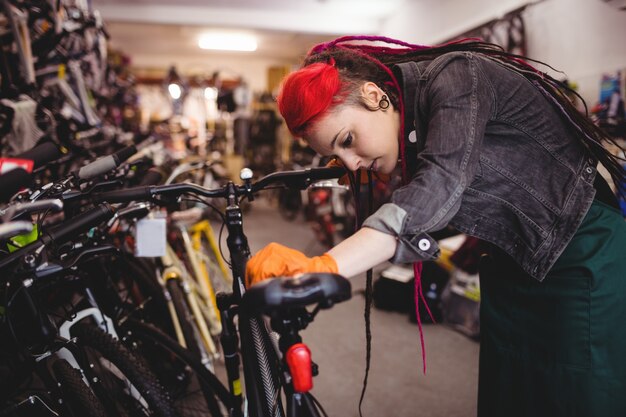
(318,405)
(219,238)
(219,245)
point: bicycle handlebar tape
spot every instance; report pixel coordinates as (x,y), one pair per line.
(73,227)
(125,196)
(105,164)
(152,177)
(300,367)
(12,182)
(41,154)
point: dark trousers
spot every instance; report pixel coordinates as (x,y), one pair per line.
(558,347)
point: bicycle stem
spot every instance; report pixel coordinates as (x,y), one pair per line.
(237,242)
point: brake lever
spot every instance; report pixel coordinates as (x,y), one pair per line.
(136,211)
(19,209)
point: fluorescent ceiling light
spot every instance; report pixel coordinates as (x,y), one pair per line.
(228,42)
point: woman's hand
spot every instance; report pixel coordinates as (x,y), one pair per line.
(276,260)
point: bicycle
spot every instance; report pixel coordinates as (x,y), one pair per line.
(55,331)
(269,368)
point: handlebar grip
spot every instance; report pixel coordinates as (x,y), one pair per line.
(124,196)
(41,154)
(97,167)
(12,181)
(80,224)
(327,173)
(299,179)
(105,164)
(123,154)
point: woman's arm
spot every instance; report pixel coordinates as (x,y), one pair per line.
(363,250)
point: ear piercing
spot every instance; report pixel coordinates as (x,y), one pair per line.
(383,103)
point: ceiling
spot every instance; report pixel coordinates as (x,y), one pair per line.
(285,29)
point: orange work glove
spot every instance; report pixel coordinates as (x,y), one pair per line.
(276,260)
(362,173)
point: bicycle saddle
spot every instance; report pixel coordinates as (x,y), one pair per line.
(286,293)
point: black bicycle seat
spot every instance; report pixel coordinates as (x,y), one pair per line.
(286,293)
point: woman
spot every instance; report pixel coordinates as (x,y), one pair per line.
(490,146)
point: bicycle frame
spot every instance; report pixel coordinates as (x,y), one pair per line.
(175,270)
(250,333)
(200,266)
(266,374)
(256,345)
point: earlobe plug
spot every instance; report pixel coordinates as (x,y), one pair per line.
(383,104)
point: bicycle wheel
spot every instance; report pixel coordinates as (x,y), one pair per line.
(124,287)
(194,389)
(261,368)
(125,384)
(77,396)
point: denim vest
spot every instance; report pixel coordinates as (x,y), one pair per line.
(493,157)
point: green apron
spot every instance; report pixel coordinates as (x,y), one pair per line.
(557,348)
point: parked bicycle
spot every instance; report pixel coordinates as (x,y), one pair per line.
(271,370)
(105,304)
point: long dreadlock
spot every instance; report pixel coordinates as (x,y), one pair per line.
(590,135)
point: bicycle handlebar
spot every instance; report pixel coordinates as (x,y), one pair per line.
(296,179)
(11,229)
(300,178)
(80,224)
(41,154)
(143,193)
(63,232)
(105,164)
(17,209)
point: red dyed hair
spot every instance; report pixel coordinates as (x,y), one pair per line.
(307,94)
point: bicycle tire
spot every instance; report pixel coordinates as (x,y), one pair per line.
(185,317)
(262,367)
(103,351)
(76,394)
(213,389)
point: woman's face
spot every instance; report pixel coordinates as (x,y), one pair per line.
(359,137)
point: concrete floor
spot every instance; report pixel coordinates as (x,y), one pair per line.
(397,387)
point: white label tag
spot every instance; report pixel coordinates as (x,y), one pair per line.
(150,238)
